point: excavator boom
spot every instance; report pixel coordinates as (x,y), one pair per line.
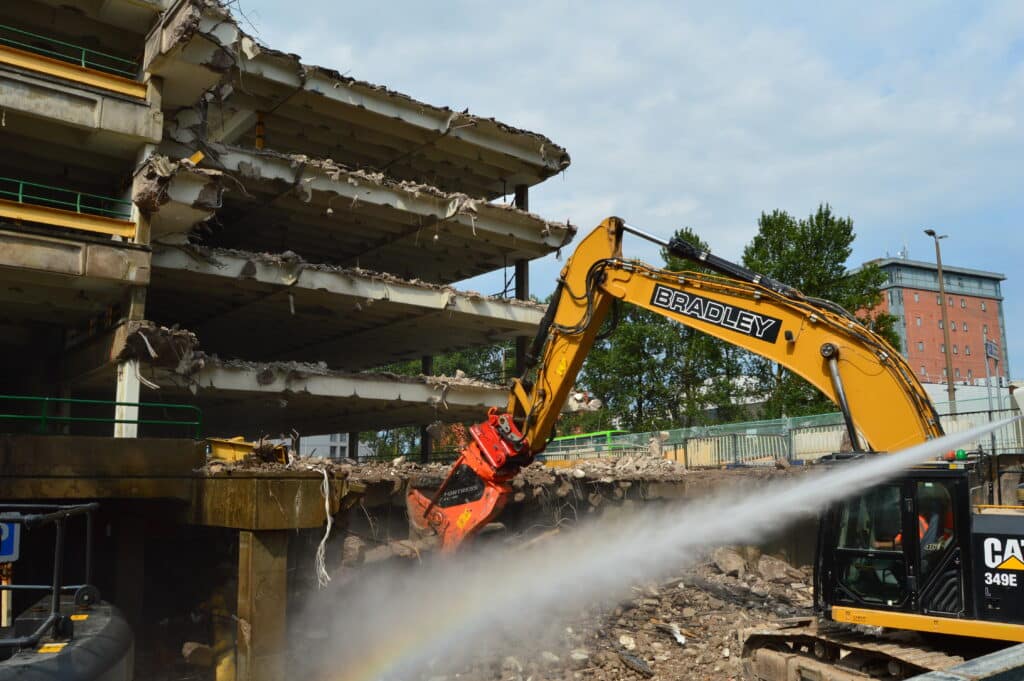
(884,405)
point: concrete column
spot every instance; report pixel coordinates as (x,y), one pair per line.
(128,386)
(353,445)
(522,282)
(262,602)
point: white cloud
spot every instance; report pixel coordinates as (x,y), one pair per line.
(899,115)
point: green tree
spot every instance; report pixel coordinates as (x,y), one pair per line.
(654,373)
(810,254)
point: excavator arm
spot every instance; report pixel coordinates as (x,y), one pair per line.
(884,405)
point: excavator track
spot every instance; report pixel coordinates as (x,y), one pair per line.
(804,651)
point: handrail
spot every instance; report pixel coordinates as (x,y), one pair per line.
(20,195)
(82,58)
(45,417)
(56,624)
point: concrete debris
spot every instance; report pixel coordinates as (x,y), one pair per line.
(699,609)
(197,654)
(161,346)
(729,562)
(151,190)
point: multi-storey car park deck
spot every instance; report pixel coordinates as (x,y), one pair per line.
(201,236)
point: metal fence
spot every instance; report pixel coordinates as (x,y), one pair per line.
(761,443)
(68,52)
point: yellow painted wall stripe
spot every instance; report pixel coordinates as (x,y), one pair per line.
(73,72)
(66,218)
(930,623)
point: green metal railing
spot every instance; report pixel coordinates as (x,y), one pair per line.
(37,194)
(47,417)
(69,52)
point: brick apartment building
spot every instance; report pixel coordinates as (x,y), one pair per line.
(974,309)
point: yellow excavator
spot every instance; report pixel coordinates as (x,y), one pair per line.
(930,553)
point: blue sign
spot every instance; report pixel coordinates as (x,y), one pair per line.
(10,542)
(991,349)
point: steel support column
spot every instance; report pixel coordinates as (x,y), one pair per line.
(426,445)
(522,282)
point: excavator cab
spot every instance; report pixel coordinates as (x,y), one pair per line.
(899,546)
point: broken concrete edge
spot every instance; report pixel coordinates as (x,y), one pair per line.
(214,22)
(290,266)
(306,176)
(178,350)
(155,175)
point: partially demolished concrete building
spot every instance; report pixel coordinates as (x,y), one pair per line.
(166,173)
(201,236)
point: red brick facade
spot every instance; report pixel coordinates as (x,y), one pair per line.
(971,318)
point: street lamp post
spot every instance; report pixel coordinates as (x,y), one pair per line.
(945,322)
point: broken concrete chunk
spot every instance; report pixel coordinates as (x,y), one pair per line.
(729,562)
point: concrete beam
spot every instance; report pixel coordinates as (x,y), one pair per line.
(63,281)
(78,107)
(254,399)
(454,213)
(348,317)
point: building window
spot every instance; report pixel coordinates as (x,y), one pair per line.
(963,303)
(938,300)
(983,308)
(942,348)
(951,301)
(920,346)
(970,374)
(923,372)
(967,350)
(944,372)
(890,296)
(334,437)
(964,327)
(955,349)
(956,372)
(917,320)
(952,326)
(984,330)
(334,451)
(941,326)
(917,297)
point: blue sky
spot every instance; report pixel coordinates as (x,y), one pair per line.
(901,115)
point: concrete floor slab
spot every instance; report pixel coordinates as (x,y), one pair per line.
(330,213)
(198,45)
(346,317)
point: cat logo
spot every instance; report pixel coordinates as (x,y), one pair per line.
(1004,554)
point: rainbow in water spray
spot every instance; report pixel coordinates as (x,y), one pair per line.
(403,624)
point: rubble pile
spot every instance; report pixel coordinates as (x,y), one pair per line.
(686,627)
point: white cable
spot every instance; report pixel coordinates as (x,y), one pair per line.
(322,577)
